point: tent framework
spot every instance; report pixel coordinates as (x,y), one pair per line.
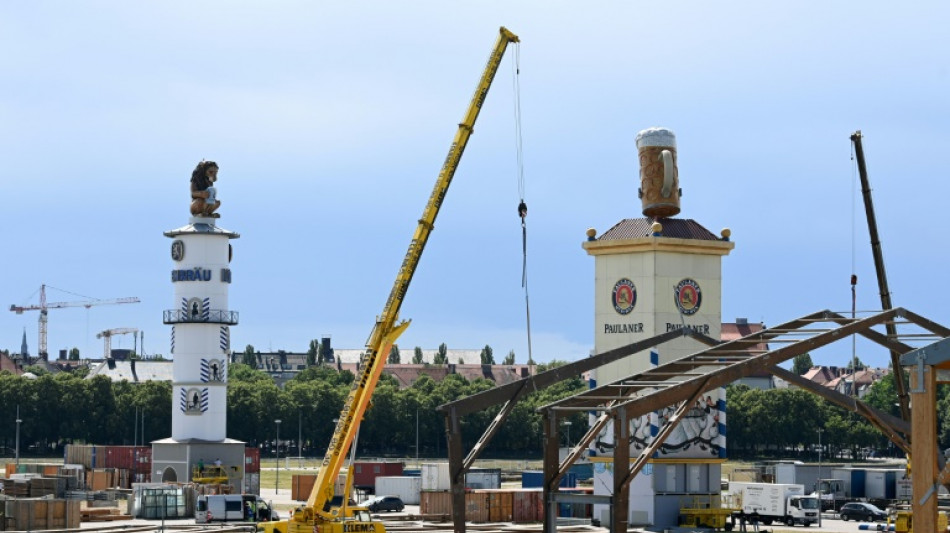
(678,382)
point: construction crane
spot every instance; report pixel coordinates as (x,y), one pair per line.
(317,516)
(44,306)
(107,335)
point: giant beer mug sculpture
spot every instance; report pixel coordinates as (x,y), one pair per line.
(659,178)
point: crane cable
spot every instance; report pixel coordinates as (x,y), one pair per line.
(522,206)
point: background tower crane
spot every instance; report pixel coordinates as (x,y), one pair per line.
(44,306)
(107,335)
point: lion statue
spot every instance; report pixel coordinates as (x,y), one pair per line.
(204,200)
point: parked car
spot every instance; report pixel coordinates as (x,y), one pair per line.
(384,503)
(862,511)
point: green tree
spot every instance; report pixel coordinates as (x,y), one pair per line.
(313,353)
(417,356)
(393,355)
(802,363)
(855,364)
(441,356)
(74,354)
(487,356)
(249,358)
(244,373)
(510,358)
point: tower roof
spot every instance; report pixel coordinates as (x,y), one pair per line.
(201,225)
(678,228)
(634,235)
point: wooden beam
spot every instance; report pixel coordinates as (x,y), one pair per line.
(923,415)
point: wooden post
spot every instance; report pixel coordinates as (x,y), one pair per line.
(551,466)
(453,434)
(620,510)
(924,448)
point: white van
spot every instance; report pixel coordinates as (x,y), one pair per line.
(233,508)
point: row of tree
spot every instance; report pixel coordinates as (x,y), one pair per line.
(317,355)
(64,408)
(784,422)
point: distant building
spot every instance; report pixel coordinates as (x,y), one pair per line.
(284,366)
(842,380)
(763,379)
(10,365)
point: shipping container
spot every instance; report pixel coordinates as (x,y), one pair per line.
(435,476)
(366,472)
(252,483)
(533,479)
(302,485)
(252,460)
(127,457)
(499,505)
(483,478)
(406,487)
(515,505)
(881,484)
(527,506)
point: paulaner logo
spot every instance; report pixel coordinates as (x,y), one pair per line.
(688,296)
(624,296)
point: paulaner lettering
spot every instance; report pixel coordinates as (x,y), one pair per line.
(636,327)
(698,328)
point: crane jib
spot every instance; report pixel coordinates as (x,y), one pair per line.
(384,334)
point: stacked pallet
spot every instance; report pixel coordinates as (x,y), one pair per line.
(47,486)
(103,514)
(19,488)
(30,515)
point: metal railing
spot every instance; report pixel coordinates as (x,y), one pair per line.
(214,316)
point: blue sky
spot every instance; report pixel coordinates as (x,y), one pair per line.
(330,122)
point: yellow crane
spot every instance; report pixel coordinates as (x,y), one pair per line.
(316,516)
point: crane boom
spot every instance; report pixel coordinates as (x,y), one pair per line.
(43,306)
(890,328)
(386,330)
(107,334)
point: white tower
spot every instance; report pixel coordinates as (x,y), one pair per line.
(200,320)
(200,336)
(653,275)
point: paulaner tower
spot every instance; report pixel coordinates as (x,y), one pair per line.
(655,274)
(200,320)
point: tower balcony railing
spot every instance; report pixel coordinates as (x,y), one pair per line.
(212,316)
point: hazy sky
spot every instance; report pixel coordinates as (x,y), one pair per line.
(330,122)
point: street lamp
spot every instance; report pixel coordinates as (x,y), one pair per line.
(18,422)
(819,479)
(567,424)
(277,457)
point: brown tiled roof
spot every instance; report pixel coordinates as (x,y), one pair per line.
(820,374)
(8,364)
(734,330)
(679,228)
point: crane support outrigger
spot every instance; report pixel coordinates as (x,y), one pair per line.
(315,516)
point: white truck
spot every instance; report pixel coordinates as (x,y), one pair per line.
(774,502)
(233,508)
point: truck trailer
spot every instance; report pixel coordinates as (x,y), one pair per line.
(775,502)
